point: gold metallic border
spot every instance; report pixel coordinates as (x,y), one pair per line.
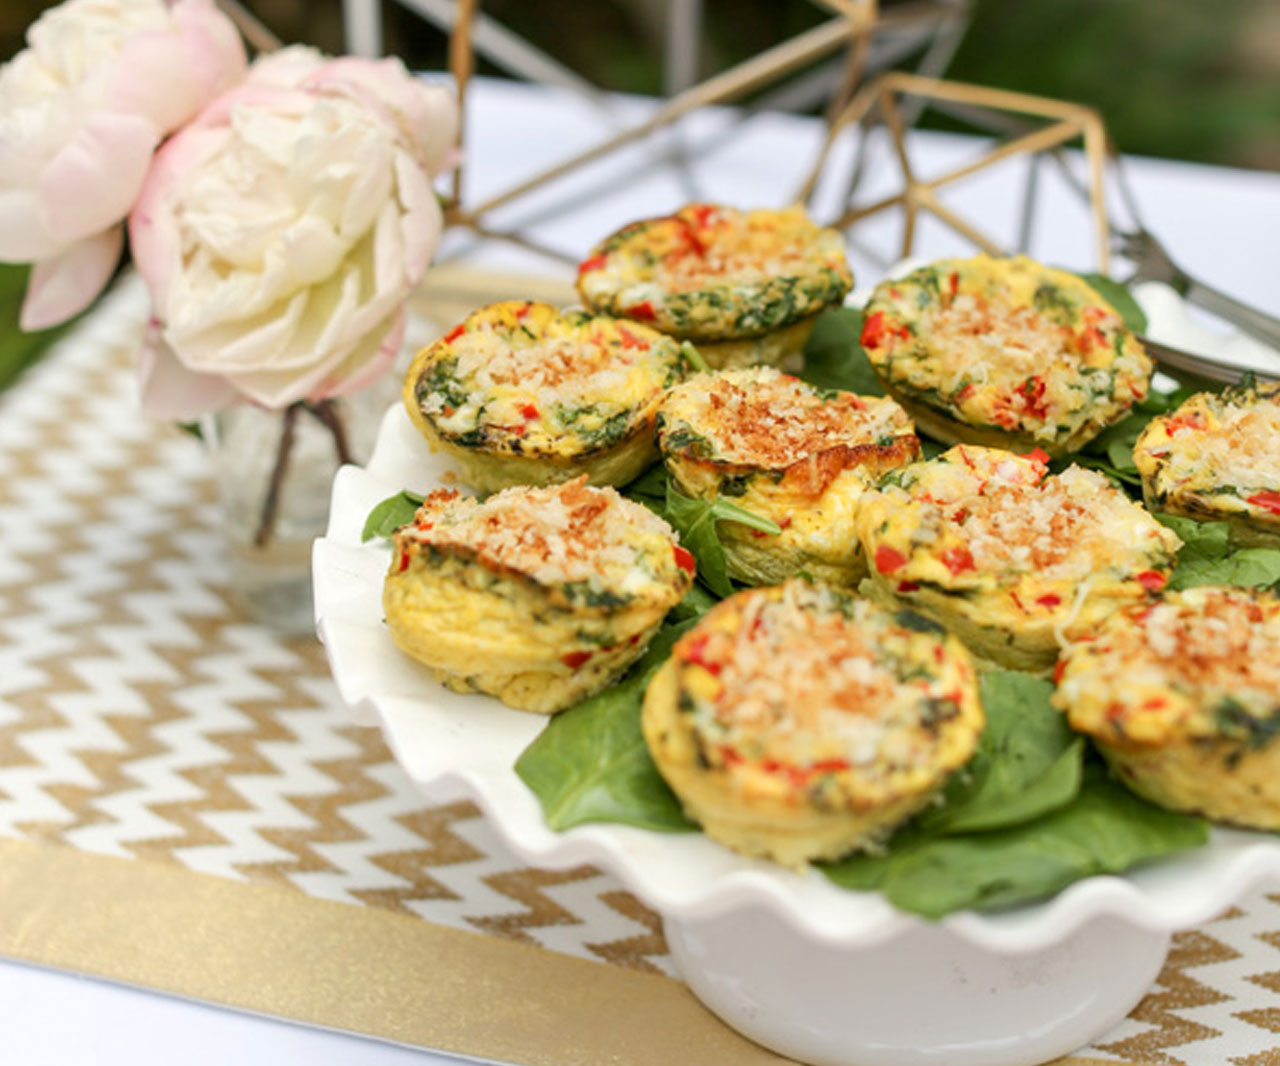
(363,970)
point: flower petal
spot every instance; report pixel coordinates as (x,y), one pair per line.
(23,235)
(199,57)
(93,181)
(68,283)
(170,390)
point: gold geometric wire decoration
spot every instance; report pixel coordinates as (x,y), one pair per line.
(855,23)
(876,102)
(880,99)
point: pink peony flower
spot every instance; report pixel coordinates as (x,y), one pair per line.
(82,108)
(280,233)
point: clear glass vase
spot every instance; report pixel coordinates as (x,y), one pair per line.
(274,470)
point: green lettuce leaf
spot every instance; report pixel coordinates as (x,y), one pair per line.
(389,515)
(591,763)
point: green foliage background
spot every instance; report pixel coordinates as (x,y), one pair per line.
(1184,79)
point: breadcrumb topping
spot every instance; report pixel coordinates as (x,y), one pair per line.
(1214,441)
(524,369)
(707,241)
(803,674)
(1207,638)
(1006,343)
(1012,516)
(766,419)
(1202,662)
(557,535)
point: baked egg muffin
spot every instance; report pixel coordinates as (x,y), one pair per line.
(538,596)
(798,722)
(1010,558)
(1182,697)
(1004,352)
(712,274)
(1217,458)
(785,450)
(523,394)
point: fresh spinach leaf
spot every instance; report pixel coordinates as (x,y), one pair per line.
(1207,558)
(650,489)
(833,356)
(591,763)
(389,515)
(1247,568)
(1028,762)
(1105,829)
(1111,451)
(695,521)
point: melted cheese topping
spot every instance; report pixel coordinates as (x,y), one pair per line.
(1006,344)
(715,272)
(1224,445)
(982,517)
(804,680)
(567,534)
(768,420)
(523,372)
(1192,664)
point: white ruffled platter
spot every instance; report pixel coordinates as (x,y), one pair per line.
(825,975)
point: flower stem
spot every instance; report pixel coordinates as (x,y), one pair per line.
(326,413)
(270,505)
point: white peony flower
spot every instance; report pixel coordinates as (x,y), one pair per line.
(281,232)
(82,109)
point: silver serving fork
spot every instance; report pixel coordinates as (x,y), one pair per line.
(1153,263)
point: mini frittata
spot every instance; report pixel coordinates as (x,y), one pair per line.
(785,450)
(713,273)
(1004,352)
(523,394)
(1182,696)
(538,596)
(1217,458)
(1010,558)
(798,722)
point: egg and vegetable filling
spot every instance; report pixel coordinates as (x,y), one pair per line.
(1182,696)
(1217,458)
(1004,352)
(1009,557)
(788,451)
(714,273)
(522,393)
(538,596)
(799,722)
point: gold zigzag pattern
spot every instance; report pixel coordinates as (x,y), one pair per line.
(1265,1018)
(110,768)
(37,704)
(633,952)
(444,848)
(525,887)
(1179,991)
(217,794)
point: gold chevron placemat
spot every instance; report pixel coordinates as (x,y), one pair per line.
(196,780)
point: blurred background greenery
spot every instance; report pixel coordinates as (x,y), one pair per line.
(1183,79)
